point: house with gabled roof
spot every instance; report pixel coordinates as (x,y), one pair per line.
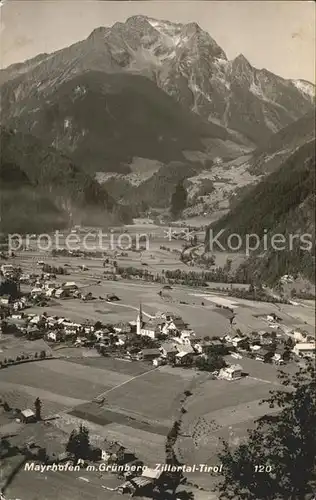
(168,350)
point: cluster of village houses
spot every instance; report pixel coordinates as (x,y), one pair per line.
(182,345)
(44,288)
(175,343)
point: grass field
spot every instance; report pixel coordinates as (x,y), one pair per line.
(11,347)
(140,402)
(218,409)
(154,396)
(47,378)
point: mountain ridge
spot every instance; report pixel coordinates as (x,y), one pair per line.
(186,63)
(103,120)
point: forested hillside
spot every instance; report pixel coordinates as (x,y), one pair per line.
(42,189)
(282,203)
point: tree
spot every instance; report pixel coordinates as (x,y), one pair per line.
(9,287)
(78,443)
(228,265)
(178,200)
(6,406)
(231,319)
(42,455)
(38,409)
(277,460)
(289,343)
(4,448)
(211,363)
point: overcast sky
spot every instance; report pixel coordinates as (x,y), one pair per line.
(276,35)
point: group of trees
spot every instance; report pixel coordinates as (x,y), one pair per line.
(10,287)
(276,461)
(211,362)
(75,253)
(256,293)
(79,443)
(47,268)
(178,200)
(178,276)
(23,357)
(205,188)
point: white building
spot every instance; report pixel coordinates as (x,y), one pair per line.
(305,349)
(69,286)
(232,372)
(7,268)
(300,336)
(150,329)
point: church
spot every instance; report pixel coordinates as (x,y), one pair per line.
(150,329)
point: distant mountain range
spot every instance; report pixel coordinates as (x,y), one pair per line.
(150,89)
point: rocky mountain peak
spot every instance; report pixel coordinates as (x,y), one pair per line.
(101,31)
(241,64)
(192,28)
(186,63)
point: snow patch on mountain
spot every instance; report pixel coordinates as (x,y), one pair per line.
(257,91)
(305,87)
(170,32)
(196,89)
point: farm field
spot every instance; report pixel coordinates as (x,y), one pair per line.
(140,402)
(218,409)
(45,376)
(116,365)
(154,396)
(140,413)
(11,346)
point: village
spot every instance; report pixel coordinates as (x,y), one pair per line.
(164,338)
(89,356)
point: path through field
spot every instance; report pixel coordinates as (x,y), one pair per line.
(129,306)
(126,382)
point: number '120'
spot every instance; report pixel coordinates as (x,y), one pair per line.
(263,468)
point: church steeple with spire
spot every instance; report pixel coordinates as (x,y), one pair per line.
(139,321)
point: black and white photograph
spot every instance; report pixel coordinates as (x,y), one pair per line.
(157,260)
